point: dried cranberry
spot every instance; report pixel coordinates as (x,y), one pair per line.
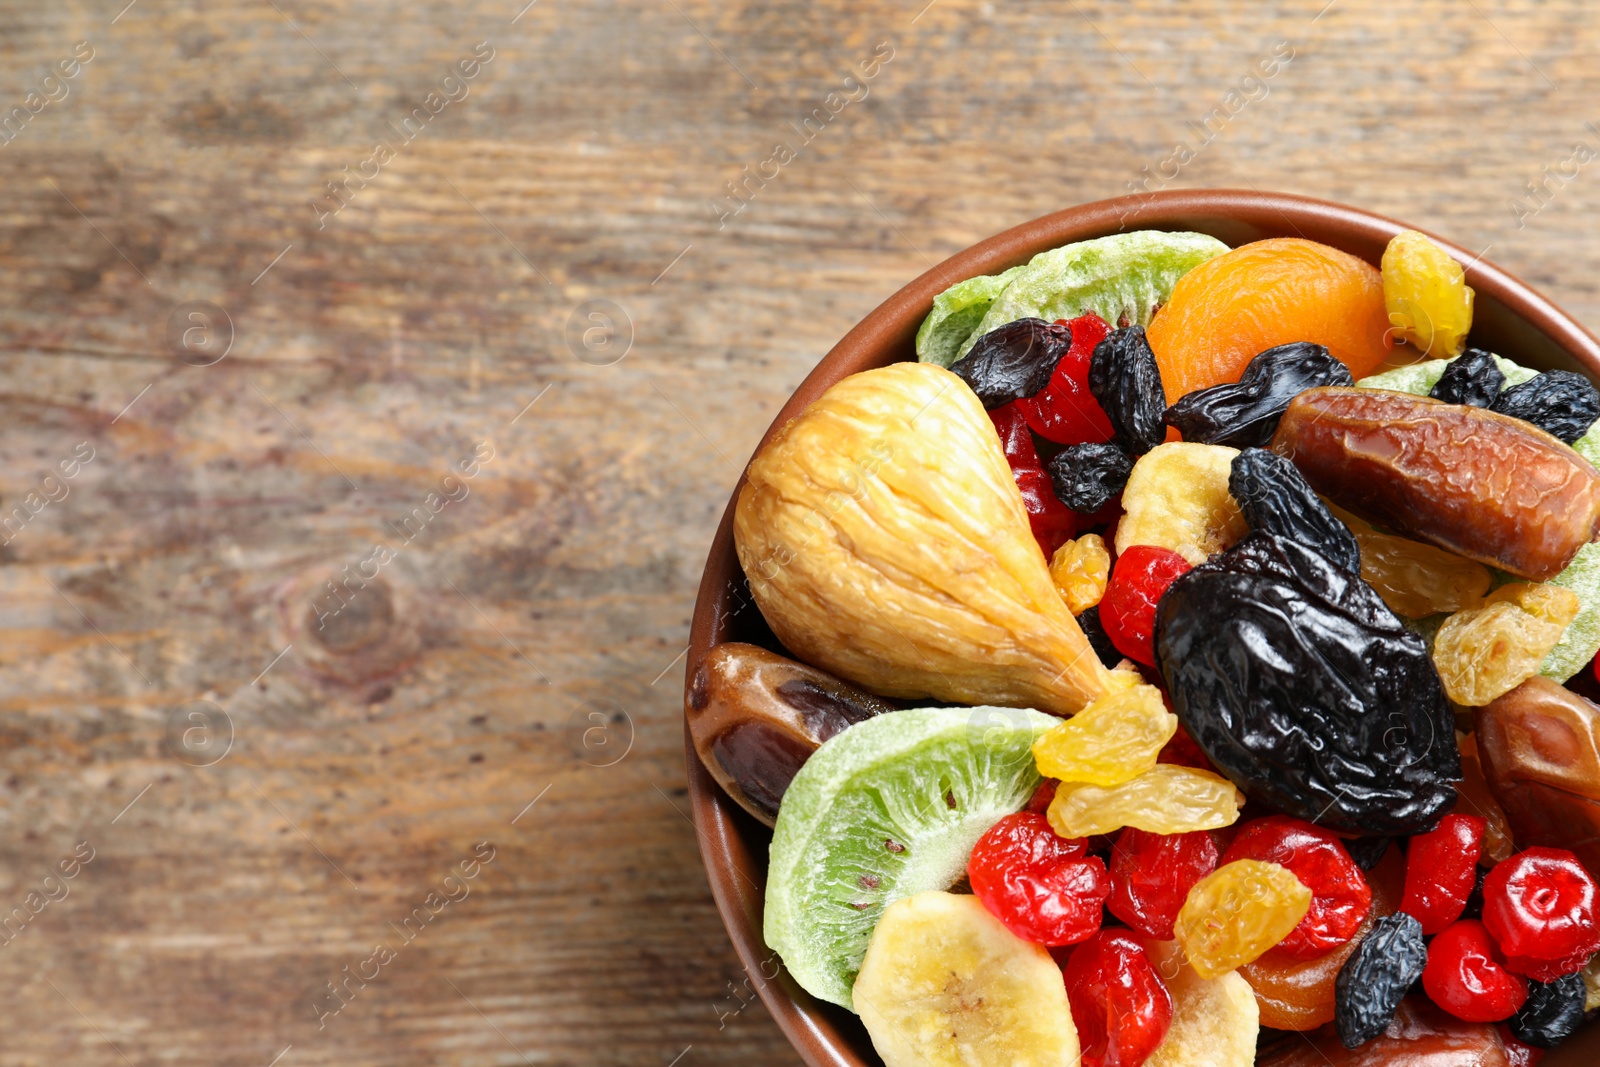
(1119,1003)
(1128,608)
(1041,886)
(1540,906)
(1151,875)
(1441,869)
(1065,411)
(1053,522)
(1466,975)
(1340,896)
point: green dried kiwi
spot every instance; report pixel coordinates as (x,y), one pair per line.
(887,809)
(1581,639)
(956,313)
(1124,277)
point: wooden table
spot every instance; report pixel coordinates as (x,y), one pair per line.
(496,384)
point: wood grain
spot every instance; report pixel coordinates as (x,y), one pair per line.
(521,647)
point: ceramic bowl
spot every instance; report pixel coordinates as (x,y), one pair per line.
(1509,318)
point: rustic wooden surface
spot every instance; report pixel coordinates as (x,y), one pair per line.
(521,647)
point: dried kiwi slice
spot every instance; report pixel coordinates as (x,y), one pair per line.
(889,808)
(1122,277)
(1581,640)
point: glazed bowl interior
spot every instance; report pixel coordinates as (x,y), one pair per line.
(1509,318)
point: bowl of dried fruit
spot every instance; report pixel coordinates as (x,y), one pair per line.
(1164,634)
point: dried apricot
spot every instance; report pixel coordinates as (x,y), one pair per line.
(1238,912)
(1414,579)
(1225,311)
(1167,799)
(1115,739)
(1426,294)
(1485,652)
(1080,570)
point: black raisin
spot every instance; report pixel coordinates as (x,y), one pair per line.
(1559,402)
(1087,477)
(1013,361)
(1367,851)
(1245,413)
(1124,378)
(1307,691)
(1551,1013)
(1472,378)
(1095,632)
(1274,496)
(1376,977)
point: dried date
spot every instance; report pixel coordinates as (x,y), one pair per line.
(1245,413)
(1471,481)
(1087,477)
(1124,378)
(1013,361)
(1473,379)
(1310,694)
(1559,402)
(1275,497)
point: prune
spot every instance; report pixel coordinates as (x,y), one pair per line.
(1302,687)
(1275,497)
(1559,402)
(1245,413)
(1087,477)
(1124,378)
(1474,379)
(1367,851)
(755,717)
(1099,640)
(1375,978)
(1552,1012)
(1472,481)
(1013,361)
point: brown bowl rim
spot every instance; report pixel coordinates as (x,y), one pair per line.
(1516,317)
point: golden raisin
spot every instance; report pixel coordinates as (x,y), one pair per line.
(1414,579)
(1166,799)
(1115,739)
(1485,652)
(1426,294)
(1237,912)
(1080,569)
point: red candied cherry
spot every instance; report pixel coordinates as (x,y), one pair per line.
(1151,875)
(1340,896)
(1040,885)
(1466,975)
(1064,411)
(1540,905)
(1053,523)
(1128,608)
(1441,870)
(1118,1002)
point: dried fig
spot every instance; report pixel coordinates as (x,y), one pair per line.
(1480,484)
(886,541)
(1540,749)
(756,716)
